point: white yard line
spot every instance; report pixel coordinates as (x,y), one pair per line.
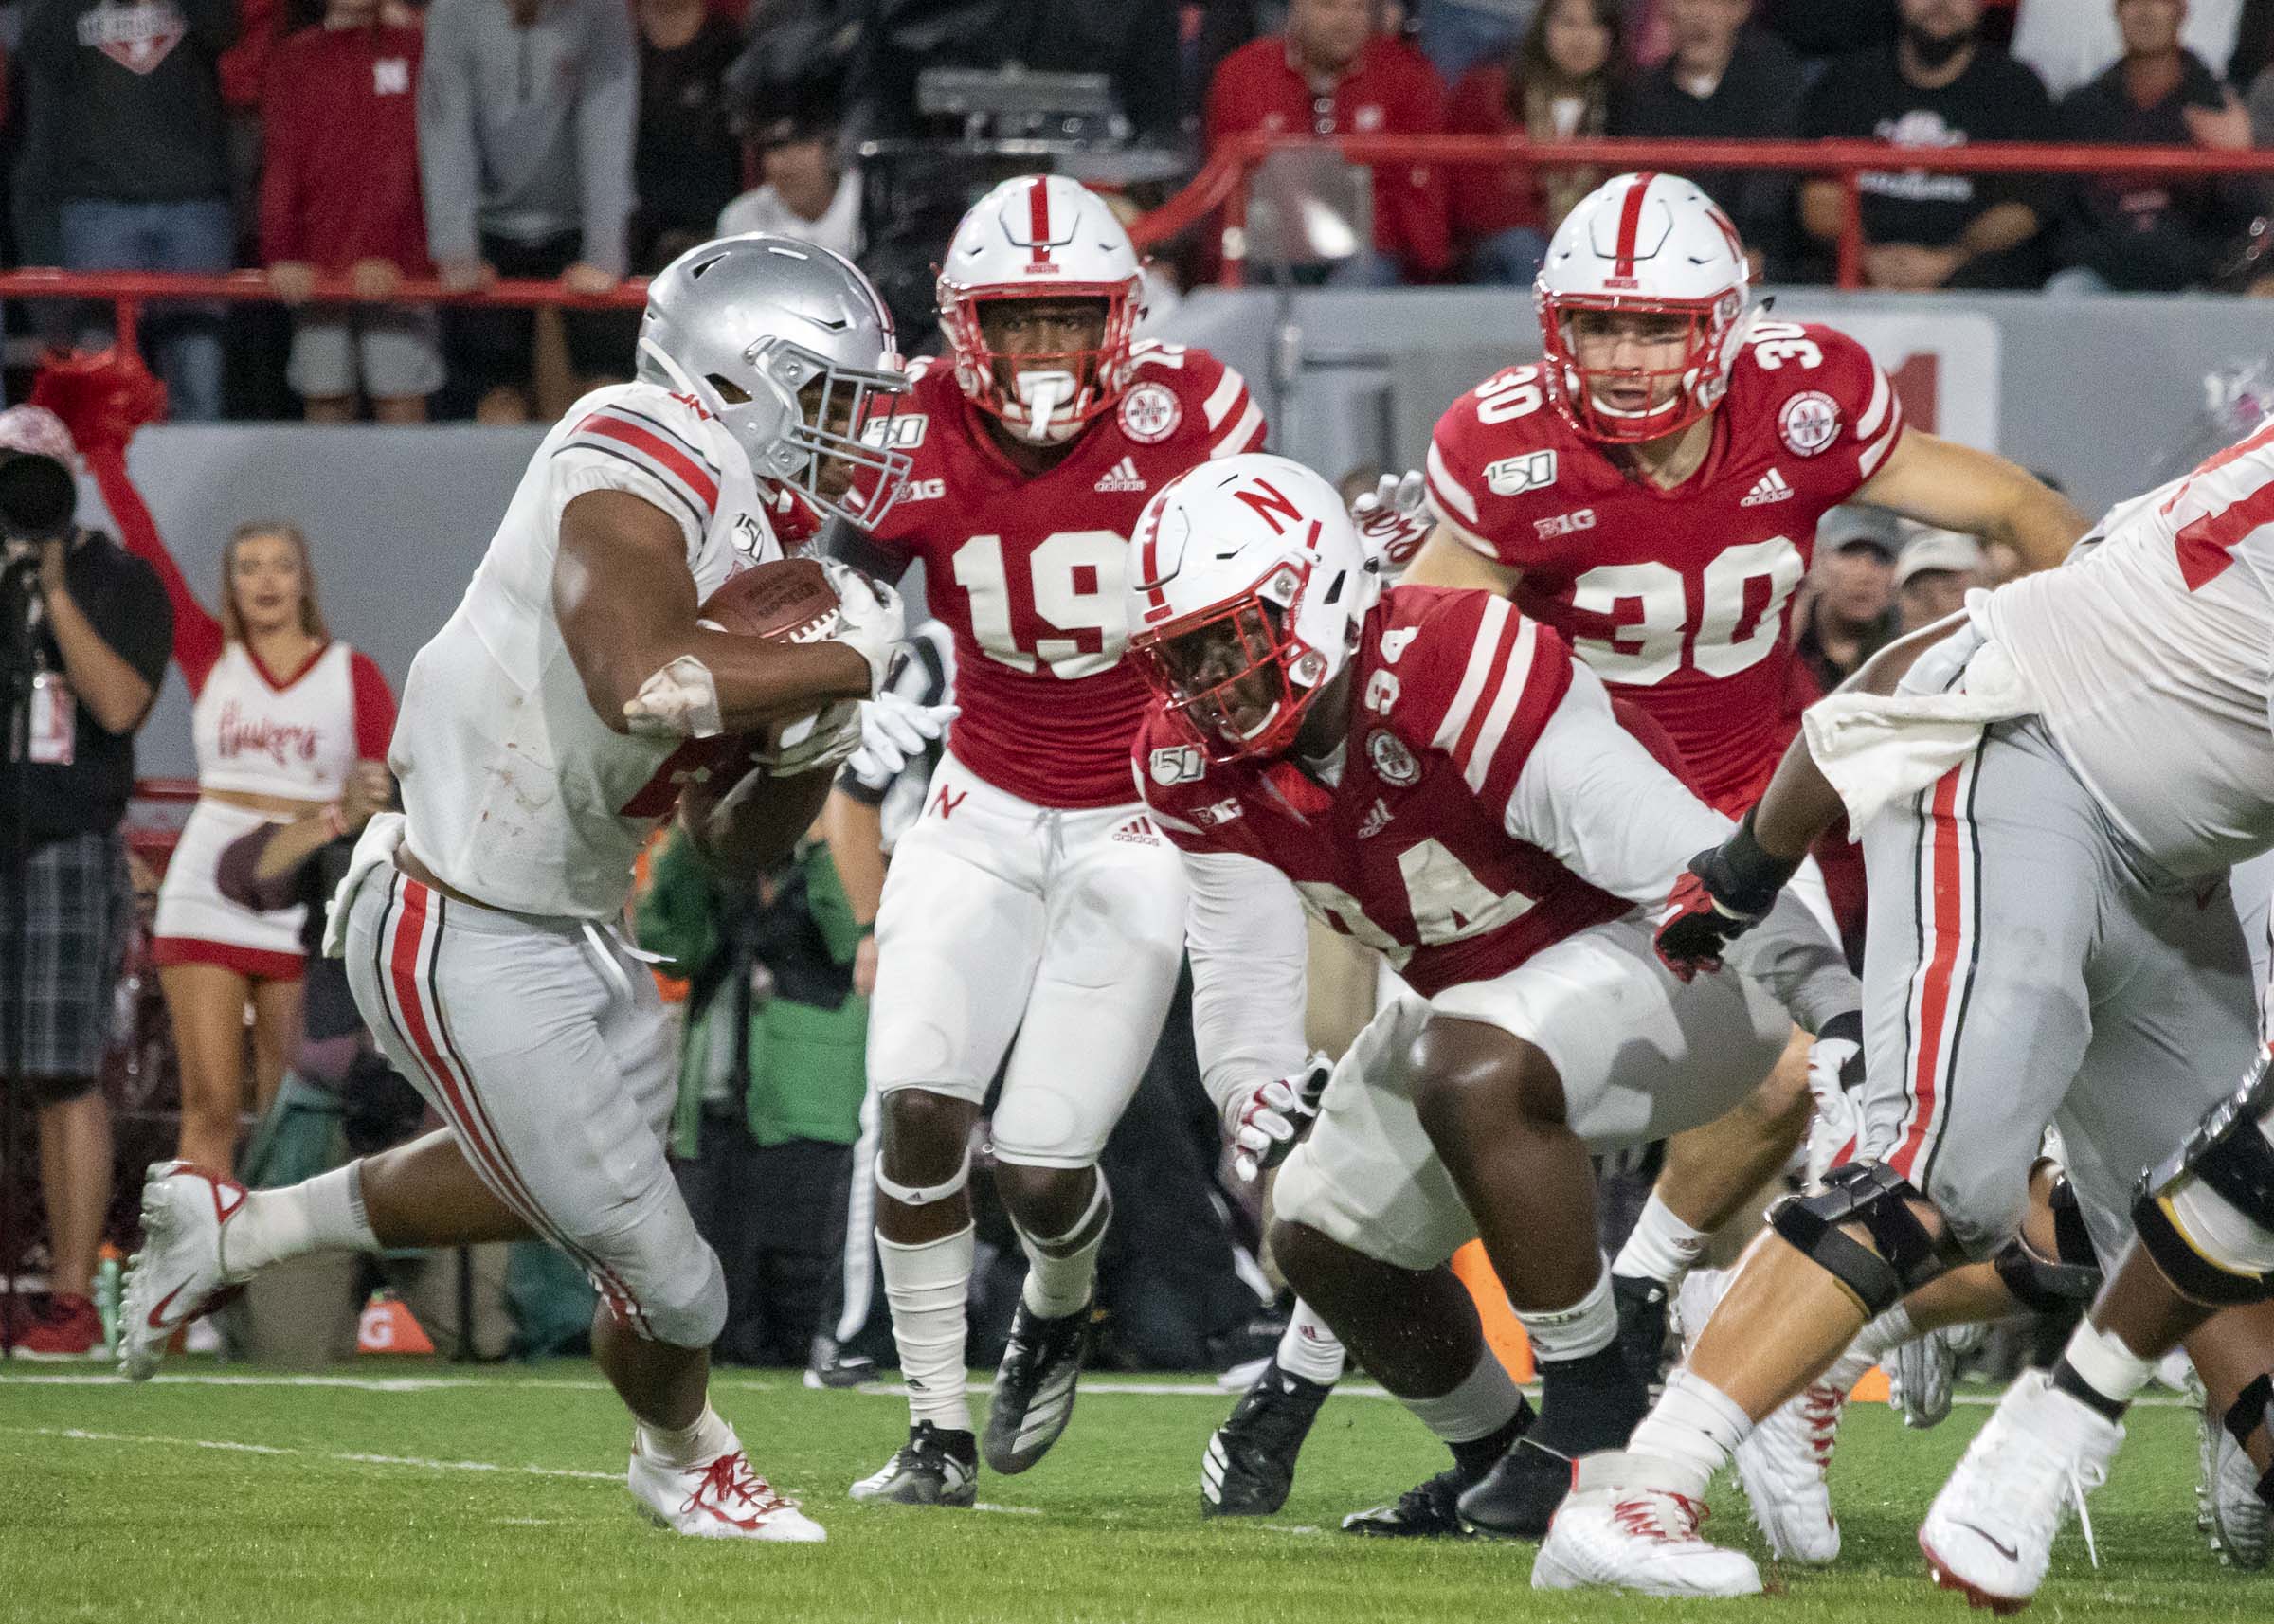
(737,1384)
(351,1457)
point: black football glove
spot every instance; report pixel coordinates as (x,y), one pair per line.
(1727,890)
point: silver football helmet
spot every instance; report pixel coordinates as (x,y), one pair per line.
(748,326)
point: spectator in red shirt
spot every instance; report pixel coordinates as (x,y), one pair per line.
(1554,87)
(1330,74)
(340,197)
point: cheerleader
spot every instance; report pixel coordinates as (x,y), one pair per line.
(283,713)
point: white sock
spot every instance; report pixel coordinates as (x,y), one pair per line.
(1060,1271)
(927,1285)
(2108,1366)
(1589,1326)
(1885,1334)
(1694,1424)
(1662,1247)
(322,1214)
(705,1439)
(1485,1401)
(1309,1348)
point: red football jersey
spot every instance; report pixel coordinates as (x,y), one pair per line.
(1027,569)
(1680,599)
(1410,853)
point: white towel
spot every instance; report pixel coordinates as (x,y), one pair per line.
(374,848)
(1877,748)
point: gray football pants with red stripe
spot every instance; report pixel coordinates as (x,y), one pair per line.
(545,1047)
(2024,964)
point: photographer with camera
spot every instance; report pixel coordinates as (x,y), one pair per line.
(84,637)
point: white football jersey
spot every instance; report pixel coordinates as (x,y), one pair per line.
(516,792)
(2153,651)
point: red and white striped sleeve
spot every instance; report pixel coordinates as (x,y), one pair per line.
(646,444)
(1515,673)
(1233,420)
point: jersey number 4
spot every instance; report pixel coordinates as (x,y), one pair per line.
(1446,901)
(1061,606)
(1745,590)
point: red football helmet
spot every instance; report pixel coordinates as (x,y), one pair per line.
(1042,237)
(1653,244)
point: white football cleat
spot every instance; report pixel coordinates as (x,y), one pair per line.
(1622,1528)
(1922,1373)
(1990,1532)
(2228,1508)
(717,1499)
(1783,1461)
(179,1275)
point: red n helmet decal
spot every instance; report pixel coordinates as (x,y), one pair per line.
(1629,223)
(1037,219)
(1267,503)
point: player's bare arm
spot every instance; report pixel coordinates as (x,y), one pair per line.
(1730,886)
(1955,487)
(1446,560)
(626,602)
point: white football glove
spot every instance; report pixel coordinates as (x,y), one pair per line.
(1393,520)
(1919,1373)
(868,618)
(678,703)
(1835,1071)
(811,743)
(1265,1123)
(895,730)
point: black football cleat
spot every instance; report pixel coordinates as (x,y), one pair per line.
(1250,1461)
(1517,1499)
(933,1467)
(1033,1388)
(1429,1510)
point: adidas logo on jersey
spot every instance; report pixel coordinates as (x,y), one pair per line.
(1376,820)
(1123,476)
(1139,831)
(1770,487)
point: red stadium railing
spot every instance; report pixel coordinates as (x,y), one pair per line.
(129,290)
(1222,182)
(1222,185)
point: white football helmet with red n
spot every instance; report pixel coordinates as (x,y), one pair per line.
(1042,237)
(1656,245)
(1255,555)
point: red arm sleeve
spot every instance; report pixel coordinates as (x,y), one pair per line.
(197,636)
(374,708)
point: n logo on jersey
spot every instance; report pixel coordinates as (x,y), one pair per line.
(1809,423)
(1149,413)
(1513,476)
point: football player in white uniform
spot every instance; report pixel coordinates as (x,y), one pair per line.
(2056,802)
(548,726)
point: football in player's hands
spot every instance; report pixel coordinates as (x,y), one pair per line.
(786,599)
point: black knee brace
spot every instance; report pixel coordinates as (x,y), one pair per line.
(1875,1196)
(2229,1155)
(2253,1407)
(2072,1275)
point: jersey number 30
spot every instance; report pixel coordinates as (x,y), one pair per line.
(1061,606)
(1743,587)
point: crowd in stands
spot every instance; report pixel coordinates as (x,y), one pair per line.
(587,140)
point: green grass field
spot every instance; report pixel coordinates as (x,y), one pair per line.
(426,1493)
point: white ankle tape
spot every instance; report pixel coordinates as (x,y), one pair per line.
(924,1194)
